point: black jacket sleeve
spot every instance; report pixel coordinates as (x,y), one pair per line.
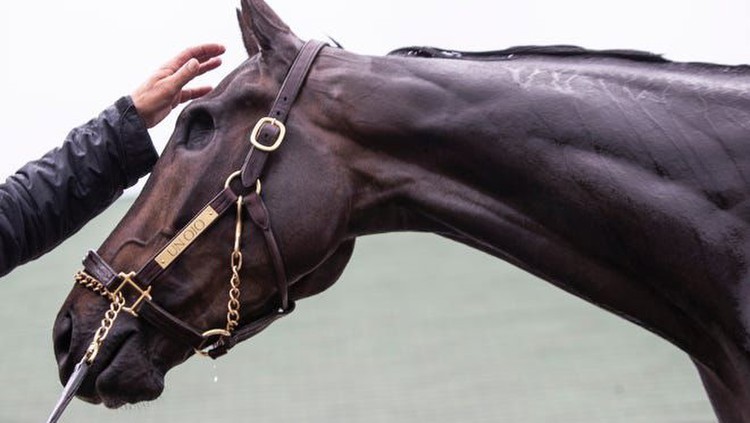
(50,199)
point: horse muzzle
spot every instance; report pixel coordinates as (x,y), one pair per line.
(121,374)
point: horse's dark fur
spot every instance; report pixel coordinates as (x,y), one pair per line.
(571,51)
(509,53)
(617,176)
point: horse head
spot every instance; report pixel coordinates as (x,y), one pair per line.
(302,187)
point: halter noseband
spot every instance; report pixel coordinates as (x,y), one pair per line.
(266,137)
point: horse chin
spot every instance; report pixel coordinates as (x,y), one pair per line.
(128,379)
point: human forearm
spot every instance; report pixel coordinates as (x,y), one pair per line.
(51,198)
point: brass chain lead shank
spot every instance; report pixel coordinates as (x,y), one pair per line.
(233,306)
(84,279)
(101,334)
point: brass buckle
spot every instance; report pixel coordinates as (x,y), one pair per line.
(259,126)
(127,279)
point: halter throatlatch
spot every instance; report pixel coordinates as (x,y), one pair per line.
(131,292)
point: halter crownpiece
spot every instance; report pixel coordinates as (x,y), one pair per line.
(118,287)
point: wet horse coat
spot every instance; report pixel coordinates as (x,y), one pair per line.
(642,168)
(616,176)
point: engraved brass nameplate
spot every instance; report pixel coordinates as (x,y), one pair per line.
(186,237)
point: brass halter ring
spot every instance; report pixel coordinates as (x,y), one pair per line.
(208,334)
(236,174)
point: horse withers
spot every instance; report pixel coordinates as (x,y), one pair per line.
(617,176)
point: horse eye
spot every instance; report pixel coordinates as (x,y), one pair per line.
(200,129)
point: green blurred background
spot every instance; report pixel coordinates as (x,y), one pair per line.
(418,329)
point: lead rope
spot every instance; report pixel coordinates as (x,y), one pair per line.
(118,304)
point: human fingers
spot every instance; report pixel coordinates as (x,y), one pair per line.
(209,65)
(207,51)
(192,93)
(184,74)
(201,52)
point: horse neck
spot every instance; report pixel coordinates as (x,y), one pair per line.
(438,141)
(601,173)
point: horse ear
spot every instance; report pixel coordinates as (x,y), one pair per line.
(262,29)
(248,38)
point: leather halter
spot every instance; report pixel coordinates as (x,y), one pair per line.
(265,138)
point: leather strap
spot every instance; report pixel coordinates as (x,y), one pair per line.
(248,331)
(99,269)
(152,270)
(161,319)
(256,158)
(259,214)
(170,325)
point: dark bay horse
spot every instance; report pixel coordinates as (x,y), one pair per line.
(618,176)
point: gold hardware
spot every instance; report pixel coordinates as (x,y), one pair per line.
(231,177)
(238,226)
(127,280)
(259,126)
(238,173)
(215,332)
(101,334)
(209,333)
(186,237)
(84,279)
(233,306)
(164,259)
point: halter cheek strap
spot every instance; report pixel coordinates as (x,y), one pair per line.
(265,138)
(263,143)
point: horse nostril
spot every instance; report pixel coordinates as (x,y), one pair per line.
(63,336)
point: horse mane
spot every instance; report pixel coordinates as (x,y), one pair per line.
(510,53)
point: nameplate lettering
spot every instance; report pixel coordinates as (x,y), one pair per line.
(186,237)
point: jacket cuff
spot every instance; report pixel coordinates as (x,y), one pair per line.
(138,152)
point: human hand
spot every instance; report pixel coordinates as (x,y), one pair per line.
(164,90)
